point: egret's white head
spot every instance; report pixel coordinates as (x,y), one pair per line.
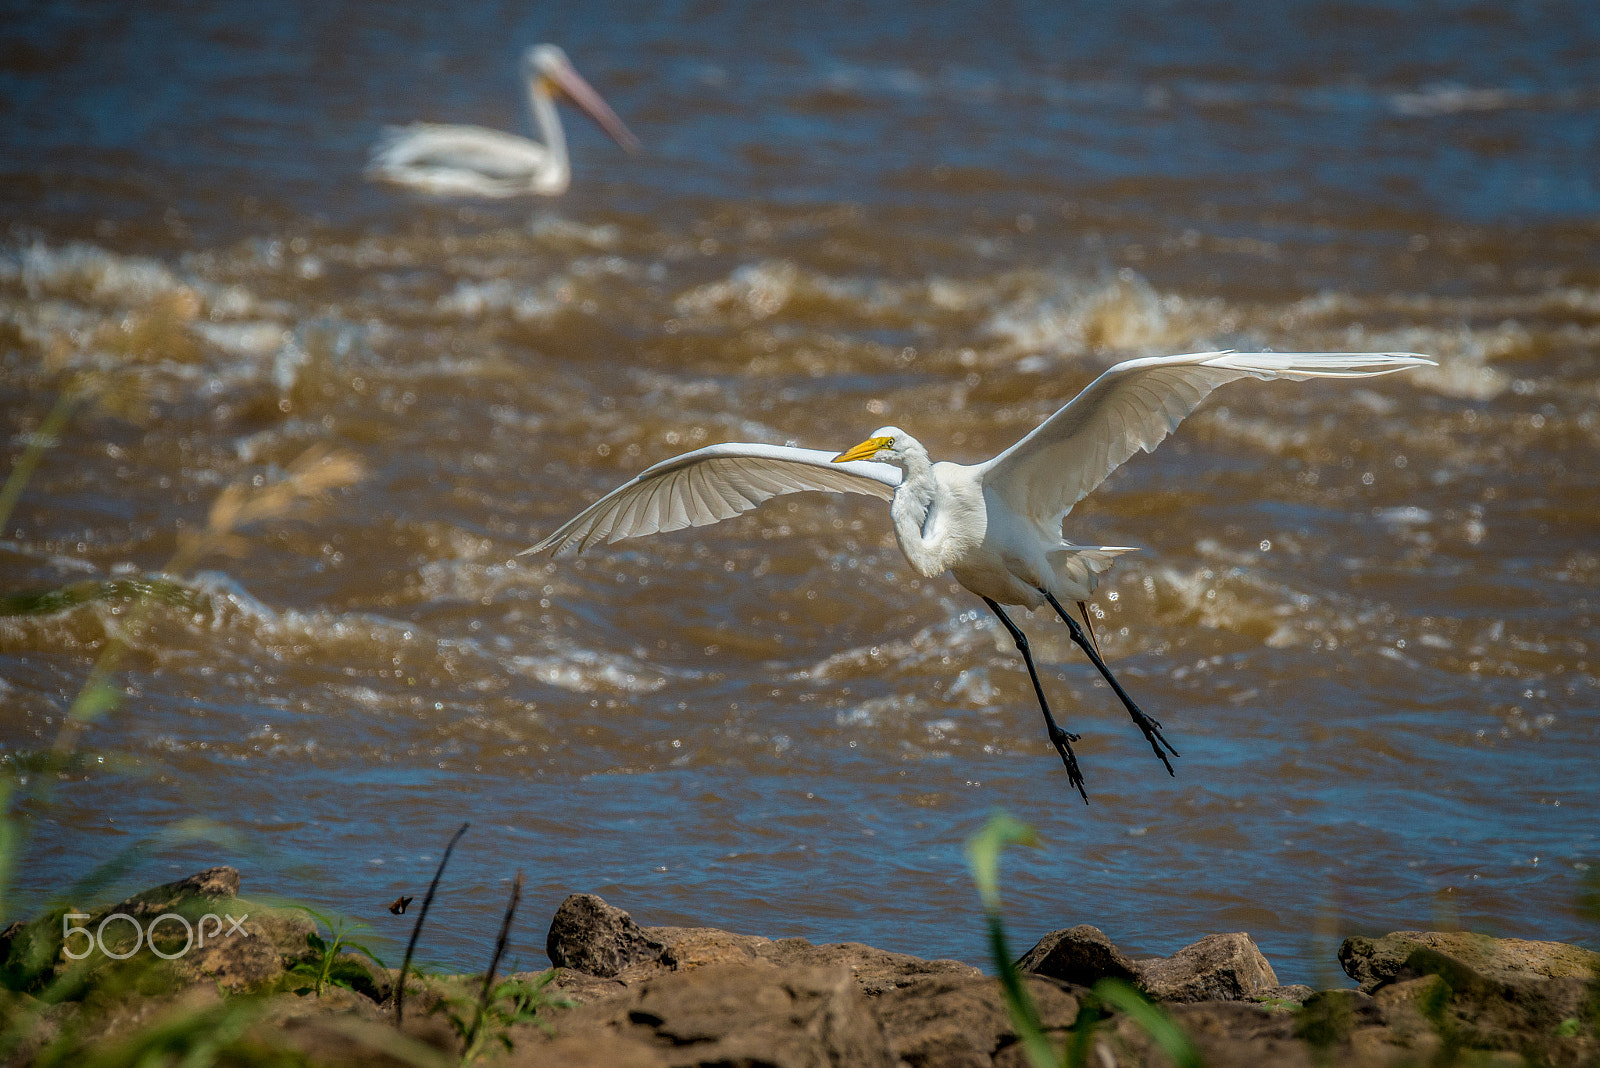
(886,443)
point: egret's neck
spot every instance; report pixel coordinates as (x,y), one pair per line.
(913,508)
(556,171)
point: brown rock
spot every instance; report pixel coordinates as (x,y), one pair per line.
(1494,993)
(1330,1017)
(251,956)
(1294,992)
(1374,962)
(960,1021)
(247,956)
(1229,1033)
(1219,967)
(219,882)
(1081,955)
(591,936)
(874,970)
(601,1049)
(1413,1006)
(581,988)
(1498,993)
(343,1029)
(685,948)
(721,1014)
(695,947)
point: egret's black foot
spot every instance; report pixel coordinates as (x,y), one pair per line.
(1061,739)
(1152,734)
(1063,742)
(1151,728)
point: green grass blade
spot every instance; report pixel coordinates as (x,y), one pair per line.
(983,853)
(1157,1024)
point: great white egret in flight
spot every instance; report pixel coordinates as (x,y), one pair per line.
(997,525)
(478,162)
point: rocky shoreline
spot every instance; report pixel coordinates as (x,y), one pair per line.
(278,988)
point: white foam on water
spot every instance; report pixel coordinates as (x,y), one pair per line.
(588,671)
(474,299)
(1061,314)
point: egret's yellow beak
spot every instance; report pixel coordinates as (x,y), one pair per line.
(865,451)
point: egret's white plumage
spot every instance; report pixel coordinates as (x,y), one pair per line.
(475,161)
(996,526)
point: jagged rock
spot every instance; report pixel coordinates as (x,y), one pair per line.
(1331,1016)
(953,1021)
(593,1049)
(1219,967)
(266,944)
(247,954)
(588,928)
(1224,967)
(1294,992)
(31,954)
(1226,1033)
(580,987)
(875,970)
(1414,1007)
(722,1014)
(1494,993)
(695,947)
(1374,962)
(591,936)
(218,882)
(699,997)
(1081,955)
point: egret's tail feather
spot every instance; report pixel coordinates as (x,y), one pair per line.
(1078,567)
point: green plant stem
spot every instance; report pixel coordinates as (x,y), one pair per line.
(330,953)
(494,963)
(1024,1015)
(98,695)
(416,928)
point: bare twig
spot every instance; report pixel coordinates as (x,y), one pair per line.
(38,442)
(494,962)
(416,928)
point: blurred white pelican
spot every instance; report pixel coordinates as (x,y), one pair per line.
(479,162)
(996,526)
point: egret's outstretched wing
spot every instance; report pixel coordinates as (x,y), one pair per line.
(712,484)
(1136,404)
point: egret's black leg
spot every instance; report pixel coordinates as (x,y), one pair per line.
(1151,729)
(1061,739)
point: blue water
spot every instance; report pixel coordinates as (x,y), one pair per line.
(1388,719)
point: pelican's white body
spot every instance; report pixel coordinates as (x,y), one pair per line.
(996,526)
(476,161)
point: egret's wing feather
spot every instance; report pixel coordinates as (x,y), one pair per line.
(712,484)
(1134,406)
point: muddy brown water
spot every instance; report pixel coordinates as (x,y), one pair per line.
(1365,612)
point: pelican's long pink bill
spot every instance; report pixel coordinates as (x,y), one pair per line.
(584,95)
